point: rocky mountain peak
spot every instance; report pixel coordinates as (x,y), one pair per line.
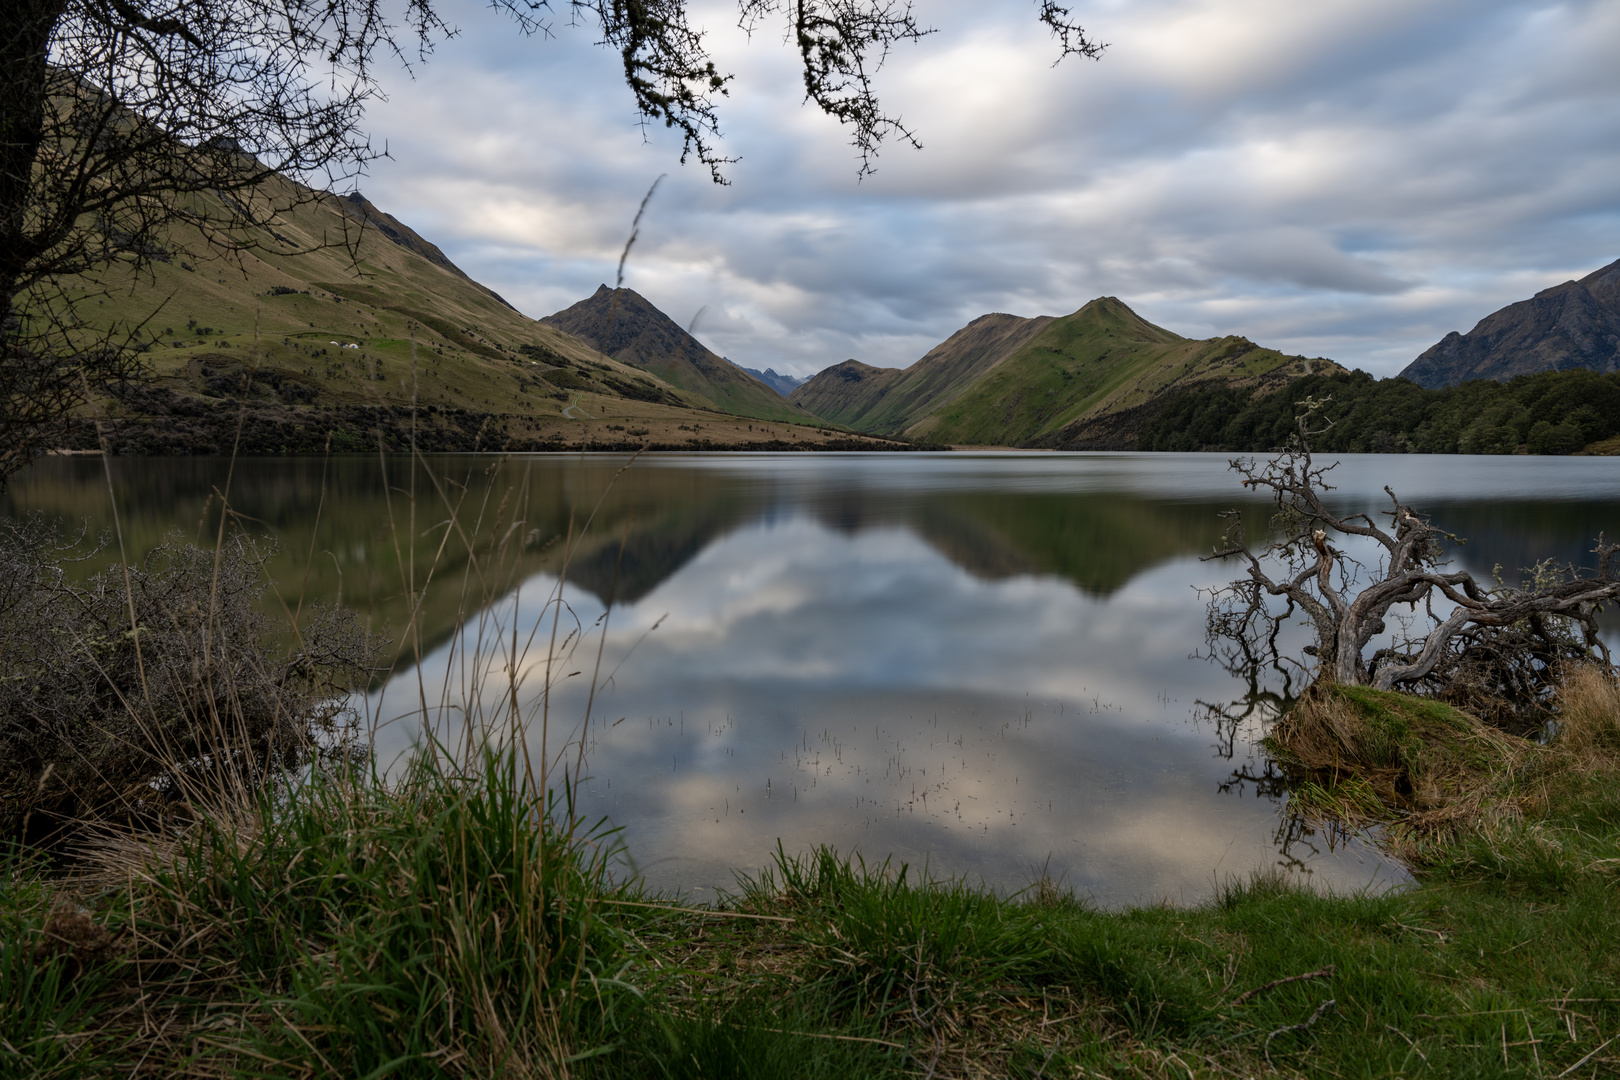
(1572,325)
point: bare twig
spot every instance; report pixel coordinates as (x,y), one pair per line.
(1324,973)
(1587,1058)
(836,1038)
(1302,1028)
(705,912)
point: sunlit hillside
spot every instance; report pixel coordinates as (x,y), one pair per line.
(1084,381)
(334,319)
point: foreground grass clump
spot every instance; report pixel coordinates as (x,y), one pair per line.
(1428,774)
(446,927)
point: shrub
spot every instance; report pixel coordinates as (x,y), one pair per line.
(133,692)
(1485,438)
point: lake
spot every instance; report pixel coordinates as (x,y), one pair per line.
(982,664)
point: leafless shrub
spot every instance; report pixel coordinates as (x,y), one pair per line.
(1485,647)
(128,695)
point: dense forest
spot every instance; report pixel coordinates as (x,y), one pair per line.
(1556,412)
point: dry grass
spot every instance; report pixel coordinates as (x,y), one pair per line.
(442,922)
(1414,754)
(1588,724)
(1425,773)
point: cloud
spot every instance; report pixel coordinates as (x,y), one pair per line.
(1352,178)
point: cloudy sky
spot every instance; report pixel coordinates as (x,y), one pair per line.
(1347,178)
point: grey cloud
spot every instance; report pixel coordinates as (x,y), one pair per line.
(1299,257)
(1354,180)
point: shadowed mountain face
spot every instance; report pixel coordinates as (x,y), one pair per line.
(626,326)
(888,399)
(844,393)
(782,384)
(1573,325)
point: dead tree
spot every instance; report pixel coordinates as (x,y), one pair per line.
(1454,631)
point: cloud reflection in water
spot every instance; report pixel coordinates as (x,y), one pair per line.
(859,689)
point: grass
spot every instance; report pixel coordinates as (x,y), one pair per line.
(440,927)
(447,926)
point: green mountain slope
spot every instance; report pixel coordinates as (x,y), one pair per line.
(336,304)
(889,399)
(623,324)
(338,325)
(1080,371)
(847,393)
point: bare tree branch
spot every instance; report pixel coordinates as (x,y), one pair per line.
(1071,36)
(1481,633)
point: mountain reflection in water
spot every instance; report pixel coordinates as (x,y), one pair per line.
(969,662)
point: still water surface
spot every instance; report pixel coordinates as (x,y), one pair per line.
(981,664)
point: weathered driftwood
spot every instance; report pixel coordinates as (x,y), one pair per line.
(1348,601)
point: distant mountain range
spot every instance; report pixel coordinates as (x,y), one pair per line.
(321,336)
(320,344)
(782,384)
(1081,381)
(623,324)
(1573,325)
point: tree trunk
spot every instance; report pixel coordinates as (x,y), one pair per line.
(25,36)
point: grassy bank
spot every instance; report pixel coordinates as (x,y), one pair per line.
(446,926)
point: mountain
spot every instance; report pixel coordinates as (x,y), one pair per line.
(1083,381)
(340,326)
(782,384)
(1573,325)
(397,231)
(847,392)
(623,324)
(888,399)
